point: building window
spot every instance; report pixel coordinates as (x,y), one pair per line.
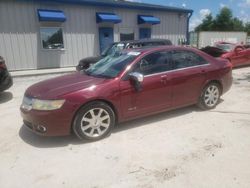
(52,37)
(127,36)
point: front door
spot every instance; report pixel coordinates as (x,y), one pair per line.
(156,90)
(106,37)
(145,33)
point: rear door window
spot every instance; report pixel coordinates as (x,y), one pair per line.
(185,59)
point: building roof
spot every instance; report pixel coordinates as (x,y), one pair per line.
(121,4)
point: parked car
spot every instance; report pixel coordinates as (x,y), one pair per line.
(118,46)
(5,78)
(238,55)
(136,83)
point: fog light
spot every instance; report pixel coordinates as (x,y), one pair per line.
(41,129)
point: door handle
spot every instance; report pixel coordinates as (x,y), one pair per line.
(164,79)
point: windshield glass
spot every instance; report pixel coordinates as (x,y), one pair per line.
(112,65)
(225,47)
(112,49)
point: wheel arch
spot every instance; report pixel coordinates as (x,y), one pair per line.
(92,101)
(214,81)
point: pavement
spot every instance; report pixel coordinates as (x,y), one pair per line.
(183,148)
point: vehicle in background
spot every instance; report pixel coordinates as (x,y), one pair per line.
(133,84)
(118,46)
(210,38)
(238,55)
(5,78)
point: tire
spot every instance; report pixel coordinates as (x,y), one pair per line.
(94,121)
(210,96)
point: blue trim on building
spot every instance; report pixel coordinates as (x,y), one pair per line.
(147,19)
(107,18)
(119,4)
(51,15)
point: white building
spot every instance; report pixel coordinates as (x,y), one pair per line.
(38,34)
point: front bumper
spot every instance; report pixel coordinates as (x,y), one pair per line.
(48,123)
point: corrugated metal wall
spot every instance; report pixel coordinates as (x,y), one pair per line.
(20,42)
(210,38)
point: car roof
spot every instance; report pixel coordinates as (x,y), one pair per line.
(159,48)
(143,41)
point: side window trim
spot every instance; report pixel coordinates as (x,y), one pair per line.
(125,77)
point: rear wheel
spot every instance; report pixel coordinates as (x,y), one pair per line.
(94,121)
(210,96)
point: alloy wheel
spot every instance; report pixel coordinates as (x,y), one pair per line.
(212,95)
(95,122)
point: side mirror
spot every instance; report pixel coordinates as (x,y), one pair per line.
(137,79)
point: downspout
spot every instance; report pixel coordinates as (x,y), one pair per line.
(187,33)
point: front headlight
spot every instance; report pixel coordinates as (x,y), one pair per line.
(47,104)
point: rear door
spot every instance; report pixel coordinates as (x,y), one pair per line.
(156,90)
(188,77)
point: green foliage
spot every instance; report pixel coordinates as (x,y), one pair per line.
(207,24)
(224,21)
(247,28)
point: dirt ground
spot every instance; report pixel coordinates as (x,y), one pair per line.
(182,148)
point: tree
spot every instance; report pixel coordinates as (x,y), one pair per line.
(224,21)
(247,28)
(238,25)
(207,24)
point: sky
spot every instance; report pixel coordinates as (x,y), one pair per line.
(240,8)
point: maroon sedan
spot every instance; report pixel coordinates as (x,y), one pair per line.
(132,84)
(238,55)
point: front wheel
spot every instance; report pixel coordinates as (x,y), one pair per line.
(94,121)
(210,96)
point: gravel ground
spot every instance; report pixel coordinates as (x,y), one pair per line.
(182,148)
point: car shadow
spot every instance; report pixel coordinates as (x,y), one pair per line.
(51,142)
(155,118)
(245,78)
(5,97)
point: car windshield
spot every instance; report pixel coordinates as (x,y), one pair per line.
(112,65)
(112,49)
(225,47)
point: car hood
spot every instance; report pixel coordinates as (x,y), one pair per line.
(59,86)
